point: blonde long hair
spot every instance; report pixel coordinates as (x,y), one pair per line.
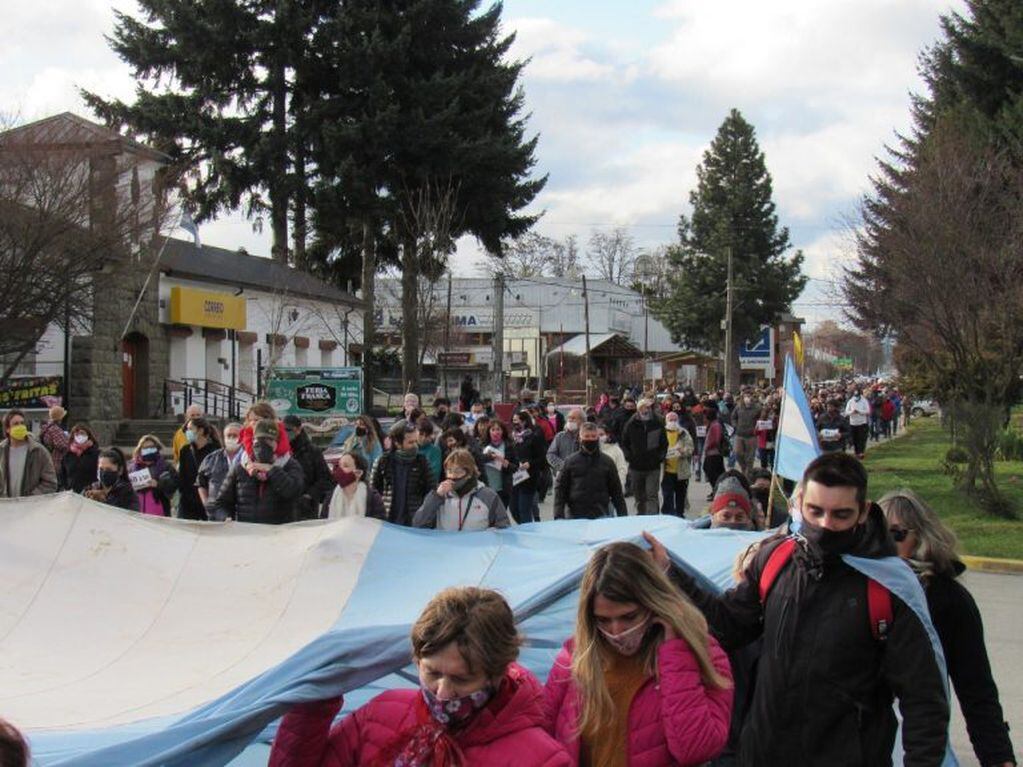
(623,572)
(936,544)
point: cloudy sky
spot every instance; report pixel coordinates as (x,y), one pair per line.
(626,97)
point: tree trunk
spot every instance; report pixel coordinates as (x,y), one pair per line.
(409,311)
(278,184)
(369,270)
(300,227)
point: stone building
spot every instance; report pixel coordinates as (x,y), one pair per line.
(169,317)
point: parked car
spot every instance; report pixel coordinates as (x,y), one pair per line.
(925,407)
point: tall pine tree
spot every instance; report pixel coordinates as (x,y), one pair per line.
(216,84)
(732,211)
(915,270)
(428,116)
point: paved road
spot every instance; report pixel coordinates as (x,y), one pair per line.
(999,598)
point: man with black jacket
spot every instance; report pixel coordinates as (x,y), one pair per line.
(402,475)
(645,442)
(824,684)
(318,482)
(588,481)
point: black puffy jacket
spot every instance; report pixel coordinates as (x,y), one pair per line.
(824,685)
(249,499)
(318,482)
(587,484)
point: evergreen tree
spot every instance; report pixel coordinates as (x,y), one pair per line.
(944,206)
(732,211)
(424,143)
(216,82)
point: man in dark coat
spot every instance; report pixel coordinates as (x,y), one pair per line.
(588,482)
(824,684)
(263,490)
(402,475)
(318,482)
(645,443)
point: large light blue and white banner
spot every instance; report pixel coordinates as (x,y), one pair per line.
(128,640)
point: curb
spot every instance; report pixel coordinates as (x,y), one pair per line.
(993,565)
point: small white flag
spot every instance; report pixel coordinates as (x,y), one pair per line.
(190,226)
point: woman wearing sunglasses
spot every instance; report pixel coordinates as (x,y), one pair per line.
(930,548)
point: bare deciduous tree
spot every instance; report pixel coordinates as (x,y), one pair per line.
(941,265)
(66,211)
(534,255)
(612,254)
(429,216)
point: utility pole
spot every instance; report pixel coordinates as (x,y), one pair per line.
(541,356)
(586,362)
(728,324)
(498,337)
(447,338)
(646,336)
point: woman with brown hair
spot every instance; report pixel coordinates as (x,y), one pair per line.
(474,705)
(642,681)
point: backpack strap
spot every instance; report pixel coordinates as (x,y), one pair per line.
(879,598)
(776,561)
(879,603)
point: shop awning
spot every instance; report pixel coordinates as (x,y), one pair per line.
(608,345)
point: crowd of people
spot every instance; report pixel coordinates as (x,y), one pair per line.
(658,671)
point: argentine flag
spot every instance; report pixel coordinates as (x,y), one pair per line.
(796,443)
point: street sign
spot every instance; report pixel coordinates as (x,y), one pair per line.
(758,354)
(316,391)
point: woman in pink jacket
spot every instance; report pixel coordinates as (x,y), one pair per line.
(641,683)
(475,705)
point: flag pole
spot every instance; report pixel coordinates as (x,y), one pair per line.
(777,434)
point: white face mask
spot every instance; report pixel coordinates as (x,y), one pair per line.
(628,641)
(572,426)
(671,425)
(231,443)
(81,439)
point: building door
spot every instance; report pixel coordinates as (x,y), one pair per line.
(134,376)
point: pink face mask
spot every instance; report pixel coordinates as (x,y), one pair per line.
(628,642)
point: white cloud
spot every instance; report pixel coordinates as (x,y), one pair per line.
(840,55)
(555,51)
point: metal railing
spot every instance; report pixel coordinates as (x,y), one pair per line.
(218,400)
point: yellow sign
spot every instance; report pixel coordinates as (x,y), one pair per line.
(207,309)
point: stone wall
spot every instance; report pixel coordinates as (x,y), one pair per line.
(97,393)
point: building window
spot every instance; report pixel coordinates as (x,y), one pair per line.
(301,356)
(26,367)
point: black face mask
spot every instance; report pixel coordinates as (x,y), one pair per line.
(263,453)
(360,431)
(763,495)
(589,446)
(108,478)
(832,542)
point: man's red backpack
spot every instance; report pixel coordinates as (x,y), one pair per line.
(879,599)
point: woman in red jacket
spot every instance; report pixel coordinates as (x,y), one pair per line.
(475,705)
(641,683)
